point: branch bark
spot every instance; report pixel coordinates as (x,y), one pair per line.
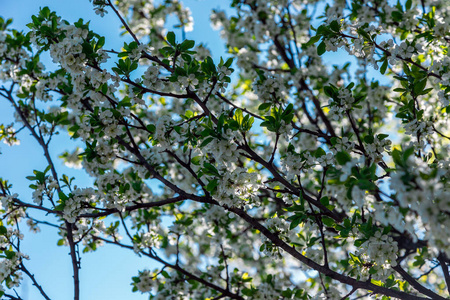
(322,269)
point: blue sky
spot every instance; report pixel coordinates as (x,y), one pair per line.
(105,274)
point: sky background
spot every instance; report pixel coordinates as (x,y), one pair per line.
(106,273)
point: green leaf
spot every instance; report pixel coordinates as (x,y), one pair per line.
(387,229)
(165,274)
(384,66)
(365,184)
(325,201)
(62,196)
(171,38)
(288,113)
(206,142)
(211,169)
(264,106)
(407,153)
(419,86)
(369,139)
(329,91)
(397,157)
(321,49)
(424,92)
(296,221)
(100,42)
(359,242)
(287,293)
(396,15)
(47,169)
(187,44)
(248,124)
(3,230)
(312,40)
(45,12)
(406,69)
(364,34)
(238,116)
(408,4)
(327,221)
(343,157)
(334,140)
(319,152)
(228,62)
(377,282)
(196,160)
(247,291)
(334,25)
(355,258)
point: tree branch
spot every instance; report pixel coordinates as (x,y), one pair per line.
(179,269)
(33,279)
(321,269)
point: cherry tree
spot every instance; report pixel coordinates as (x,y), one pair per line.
(265,174)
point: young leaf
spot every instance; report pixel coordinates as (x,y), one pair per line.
(171,38)
(321,48)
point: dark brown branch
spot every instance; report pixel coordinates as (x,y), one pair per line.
(35,283)
(23,204)
(319,109)
(388,53)
(128,29)
(417,285)
(73,254)
(75,262)
(291,187)
(12,297)
(108,212)
(153,256)
(235,106)
(322,269)
(445,270)
(349,294)
(356,131)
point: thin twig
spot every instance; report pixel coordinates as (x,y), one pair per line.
(33,279)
